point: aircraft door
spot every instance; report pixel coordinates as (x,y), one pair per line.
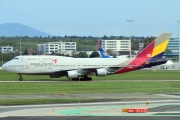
(50,67)
(78,65)
(41,66)
(24,61)
(40,59)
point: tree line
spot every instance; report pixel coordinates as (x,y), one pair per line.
(82,43)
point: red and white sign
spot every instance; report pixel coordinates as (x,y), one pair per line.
(137,110)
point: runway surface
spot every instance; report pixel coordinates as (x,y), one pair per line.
(157,109)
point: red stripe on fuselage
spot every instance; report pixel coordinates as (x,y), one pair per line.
(139,60)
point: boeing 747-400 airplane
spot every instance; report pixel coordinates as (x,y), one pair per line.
(82,68)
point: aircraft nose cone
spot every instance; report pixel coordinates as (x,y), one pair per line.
(4,66)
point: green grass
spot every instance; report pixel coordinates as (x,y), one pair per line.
(135,75)
(38,101)
(99,85)
(88,87)
(95,86)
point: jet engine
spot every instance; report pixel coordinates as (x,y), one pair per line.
(72,74)
(101,72)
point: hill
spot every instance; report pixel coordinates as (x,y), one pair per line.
(16,29)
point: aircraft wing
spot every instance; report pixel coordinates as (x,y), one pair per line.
(89,70)
(84,70)
(114,68)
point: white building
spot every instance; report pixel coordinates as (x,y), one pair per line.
(6,49)
(56,47)
(123,47)
(116,45)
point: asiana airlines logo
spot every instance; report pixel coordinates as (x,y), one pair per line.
(148,55)
(54,61)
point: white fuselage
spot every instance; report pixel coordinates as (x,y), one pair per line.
(51,64)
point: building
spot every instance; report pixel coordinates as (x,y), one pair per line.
(122,46)
(6,49)
(56,47)
(172,50)
(173,46)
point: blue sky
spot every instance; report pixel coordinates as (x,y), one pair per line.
(94,17)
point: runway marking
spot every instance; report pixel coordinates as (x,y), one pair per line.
(114,111)
(171,96)
(91,109)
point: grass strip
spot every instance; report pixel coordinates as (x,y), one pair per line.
(39,101)
(145,74)
(88,87)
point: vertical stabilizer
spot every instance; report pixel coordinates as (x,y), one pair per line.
(103,53)
(150,56)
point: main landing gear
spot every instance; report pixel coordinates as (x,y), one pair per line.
(83,78)
(20,79)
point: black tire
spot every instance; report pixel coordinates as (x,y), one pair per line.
(89,79)
(20,79)
(75,79)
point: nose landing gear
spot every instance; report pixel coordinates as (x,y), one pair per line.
(20,79)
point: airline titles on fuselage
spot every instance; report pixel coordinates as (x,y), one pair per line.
(41,64)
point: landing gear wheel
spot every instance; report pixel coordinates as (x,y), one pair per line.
(75,79)
(86,78)
(81,79)
(20,79)
(89,79)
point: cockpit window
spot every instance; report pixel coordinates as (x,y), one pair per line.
(15,58)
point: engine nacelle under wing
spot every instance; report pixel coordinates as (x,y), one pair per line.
(72,74)
(101,72)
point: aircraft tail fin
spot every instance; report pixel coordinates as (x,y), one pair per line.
(150,56)
(103,53)
(156,48)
